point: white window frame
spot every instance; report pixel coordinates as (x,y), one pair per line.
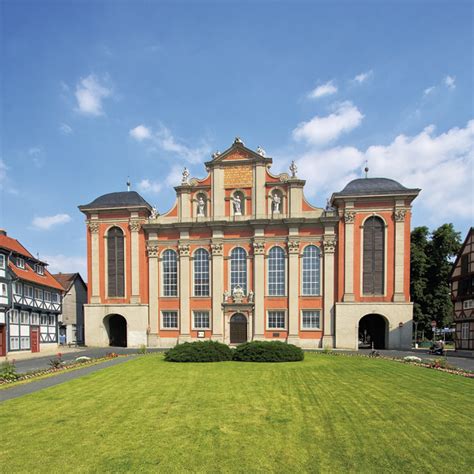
(465,330)
(13,316)
(20,262)
(47,296)
(54,297)
(39,269)
(3,289)
(246,289)
(2,261)
(43,319)
(199,328)
(285,271)
(318,310)
(285,317)
(24,315)
(162,275)
(40,298)
(209,271)
(35,319)
(318,293)
(17,285)
(162,326)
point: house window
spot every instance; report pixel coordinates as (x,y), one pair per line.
(39,269)
(276,320)
(55,297)
(14,343)
(2,261)
(38,294)
(47,296)
(24,317)
(3,289)
(311,271)
(201,273)
(465,331)
(44,319)
(311,319)
(468,304)
(115,263)
(20,263)
(24,342)
(18,288)
(238,269)
(201,320)
(13,316)
(276,272)
(34,319)
(170,273)
(29,291)
(51,320)
(373,258)
(169,319)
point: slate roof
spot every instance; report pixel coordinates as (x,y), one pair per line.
(363,186)
(120,199)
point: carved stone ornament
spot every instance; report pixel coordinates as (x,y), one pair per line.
(93,227)
(217,249)
(293,246)
(329,245)
(238,294)
(349,217)
(284,177)
(152,250)
(258,248)
(183,250)
(135,226)
(399,215)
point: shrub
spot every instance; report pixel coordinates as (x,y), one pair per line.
(57,362)
(200,351)
(8,371)
(142,349)
(268,351)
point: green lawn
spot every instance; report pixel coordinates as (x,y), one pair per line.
(326,414)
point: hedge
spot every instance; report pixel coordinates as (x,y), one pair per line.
(199,351)
(268,351)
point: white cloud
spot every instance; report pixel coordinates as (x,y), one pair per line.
(65,129)
(362,77)
(174,176)
(323,90)
(5,182)
(66,264)
(429,90)
(140,133)
(320,130)
(46,222)
(450,82)
(90,94)
(146,185)
(441,165)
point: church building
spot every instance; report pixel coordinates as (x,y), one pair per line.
(243,256)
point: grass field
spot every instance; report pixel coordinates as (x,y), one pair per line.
(326,414)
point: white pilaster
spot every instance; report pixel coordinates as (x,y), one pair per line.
(293,290)
(95,259)
(329,245)
(217,250)
(153,309)
(259,283)
(184,293)
(135,263)
(349,217)
(399,216)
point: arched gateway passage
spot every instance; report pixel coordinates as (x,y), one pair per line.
(116,326)
(238,329)
(372,332)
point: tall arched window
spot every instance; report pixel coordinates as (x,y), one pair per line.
(201,273)
(311,271)
(373,258)
(276,272)
(115,263)
(170,273)
(238,268)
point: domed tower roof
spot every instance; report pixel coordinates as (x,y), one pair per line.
(123,199)
(374,186)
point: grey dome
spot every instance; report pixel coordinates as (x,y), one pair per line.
(120,199)
(364,186)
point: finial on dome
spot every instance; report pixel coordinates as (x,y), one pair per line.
(366,169)
(128,183)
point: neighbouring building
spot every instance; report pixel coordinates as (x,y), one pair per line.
(462,293)
(242,255)
(30,300)
(71,328)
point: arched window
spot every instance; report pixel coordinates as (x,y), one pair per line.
(373,258)
(201,273)
(276,272)
(170,273)
(115,263)
(311,271)
(238,269)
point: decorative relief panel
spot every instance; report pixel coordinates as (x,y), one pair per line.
(152,250)
(293,246)
(217,249)
(135,226)
(240,176)
(93,227)
(399,215)
(349,217)
(258,248)
(183,250)
(329,245)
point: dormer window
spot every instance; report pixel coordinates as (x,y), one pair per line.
(20,262)
(39,269)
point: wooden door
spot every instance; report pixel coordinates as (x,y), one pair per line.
(35,342)
(3,341)
(238,329)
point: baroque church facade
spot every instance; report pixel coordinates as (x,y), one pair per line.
(243,256)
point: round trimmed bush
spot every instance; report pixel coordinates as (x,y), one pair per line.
(199,351)
(268,351)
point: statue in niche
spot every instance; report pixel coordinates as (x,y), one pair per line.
(276,201)
(237,202)
(201,204)
(251,296)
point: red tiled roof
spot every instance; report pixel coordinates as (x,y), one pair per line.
(29,274)
(15,246)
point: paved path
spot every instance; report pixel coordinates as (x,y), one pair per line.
(30,387)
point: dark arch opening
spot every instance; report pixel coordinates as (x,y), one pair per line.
(238,329)
(117,330)
(372,332)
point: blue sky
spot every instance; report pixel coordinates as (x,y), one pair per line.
(93,92)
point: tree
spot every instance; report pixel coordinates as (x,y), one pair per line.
(431,262)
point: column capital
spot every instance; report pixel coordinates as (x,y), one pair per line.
(152,249)
(399,215)
(93,227)
(258,247)
(217,248)
(135,225)
(293,246)
(349,217)
(329,245)
(183,250)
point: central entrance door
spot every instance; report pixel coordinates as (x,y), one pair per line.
(372,332)
(238,329)
(117,331)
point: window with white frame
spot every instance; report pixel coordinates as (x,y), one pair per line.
(20,262)
(14,343)
(24,342)
(38,294)
(2,261)
(39,269)
(276,320)
(51,320)
(169,319)
(465,331)
(468,304)
(170,273)
(55,297)
(238,269)
(47,296)
(3,289)
(311,270)
(18,288)
(13,316)
(201,272)
(28,291)
(201,320)
(311,319)
(34,319)
(24,317)
(276,272)
(44,319)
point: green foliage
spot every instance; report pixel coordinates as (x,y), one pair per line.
(431,263)
(8,371)
(200,351)
(268,351)
(57,362)
(142,349)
